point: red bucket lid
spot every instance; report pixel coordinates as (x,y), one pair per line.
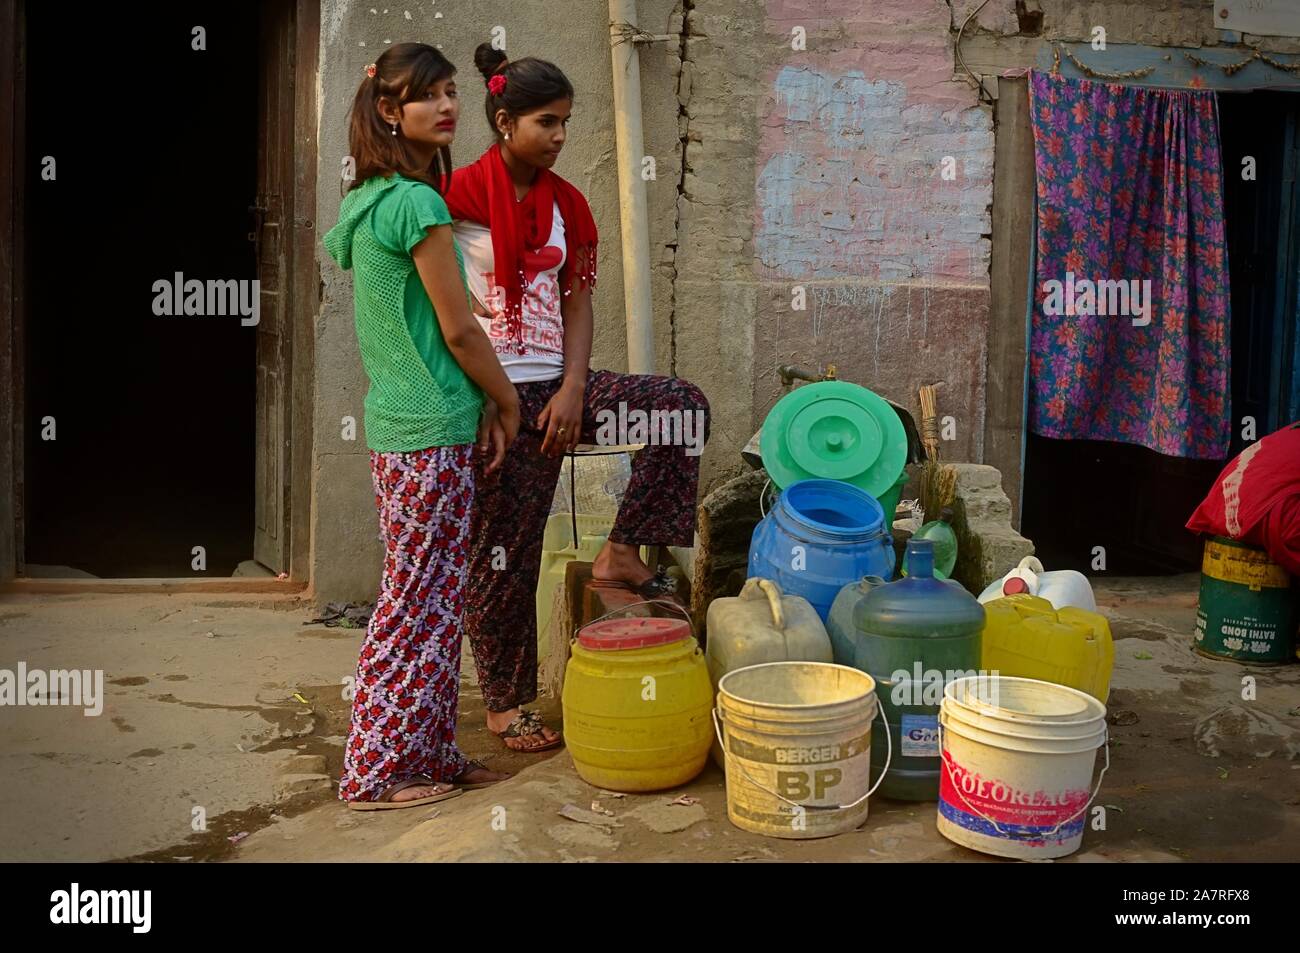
(638,633)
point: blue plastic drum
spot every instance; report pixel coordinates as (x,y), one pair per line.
(820,536)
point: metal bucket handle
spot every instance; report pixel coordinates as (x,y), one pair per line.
(889,756)
(997,827)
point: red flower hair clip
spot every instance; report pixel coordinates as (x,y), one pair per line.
(370,70)
(497,85)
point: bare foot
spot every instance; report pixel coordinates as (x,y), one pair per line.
(620,562)
(499,721)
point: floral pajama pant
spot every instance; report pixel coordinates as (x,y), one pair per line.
(513,504)
(408,677)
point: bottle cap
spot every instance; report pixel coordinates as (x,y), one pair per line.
(1014,586)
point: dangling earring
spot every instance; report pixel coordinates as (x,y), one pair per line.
(507,135)
(394,128)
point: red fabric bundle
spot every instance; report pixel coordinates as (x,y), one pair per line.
(1256,499)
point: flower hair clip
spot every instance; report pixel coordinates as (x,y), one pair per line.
(497,85)
(370,70)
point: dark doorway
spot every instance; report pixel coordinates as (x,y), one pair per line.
(155,147)
(1135,502)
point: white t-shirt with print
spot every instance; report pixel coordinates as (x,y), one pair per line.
(543,325)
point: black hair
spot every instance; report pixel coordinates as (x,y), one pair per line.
(530,83)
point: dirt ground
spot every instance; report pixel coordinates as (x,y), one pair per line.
(226,717)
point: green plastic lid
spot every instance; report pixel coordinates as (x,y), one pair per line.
(834,430)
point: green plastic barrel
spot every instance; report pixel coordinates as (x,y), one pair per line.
(1249,609)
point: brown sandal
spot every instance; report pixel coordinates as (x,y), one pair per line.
(477,785)
(659,586)
(385,801)
(526,723)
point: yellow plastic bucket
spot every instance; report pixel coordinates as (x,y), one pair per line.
(797,743)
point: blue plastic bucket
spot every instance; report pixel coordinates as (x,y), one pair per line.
(820,536)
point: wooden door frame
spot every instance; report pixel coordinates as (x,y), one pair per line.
(304,286)
(12,369)
(304,304)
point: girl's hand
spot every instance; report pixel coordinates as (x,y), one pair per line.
(490,435)
(496,431)
(561,419)
(508,416)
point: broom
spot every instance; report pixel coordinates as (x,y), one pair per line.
(938,482)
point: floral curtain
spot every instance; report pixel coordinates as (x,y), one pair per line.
(1129,337)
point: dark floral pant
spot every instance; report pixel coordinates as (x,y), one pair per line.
(408,677)
(658,508)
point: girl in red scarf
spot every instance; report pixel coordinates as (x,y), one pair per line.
(529,242)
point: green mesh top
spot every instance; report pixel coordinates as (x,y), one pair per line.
(419,397)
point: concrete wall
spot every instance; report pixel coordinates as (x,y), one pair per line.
(778,168)
(573,34)
(820,168)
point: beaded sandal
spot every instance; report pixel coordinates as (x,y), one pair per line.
(527,722)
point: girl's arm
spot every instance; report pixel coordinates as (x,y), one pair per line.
(435,260)
(564,410)
(578,329)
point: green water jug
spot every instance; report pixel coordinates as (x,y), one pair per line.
(839,622)
(913,637)
(939,532)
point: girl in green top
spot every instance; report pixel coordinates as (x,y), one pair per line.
(430,366)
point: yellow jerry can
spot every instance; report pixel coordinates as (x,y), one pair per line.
(637,704)
(1024,636)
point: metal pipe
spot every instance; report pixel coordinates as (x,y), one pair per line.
(793,372)
(633,218)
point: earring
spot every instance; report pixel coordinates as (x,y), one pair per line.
(507,135)
(394,128)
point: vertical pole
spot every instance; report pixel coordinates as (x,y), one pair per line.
(632,205)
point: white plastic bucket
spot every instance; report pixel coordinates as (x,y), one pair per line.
(1017,761)
(797,743)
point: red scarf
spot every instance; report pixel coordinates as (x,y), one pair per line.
(483,192)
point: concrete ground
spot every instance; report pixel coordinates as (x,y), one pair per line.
(225,717)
